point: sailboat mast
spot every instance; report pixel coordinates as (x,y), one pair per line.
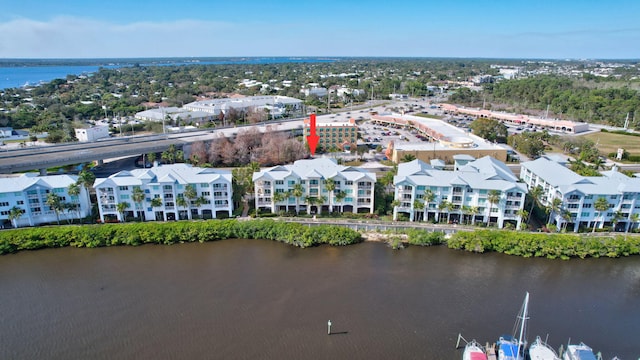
(522,323)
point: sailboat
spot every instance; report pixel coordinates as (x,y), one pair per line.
(510,347)
(540,350)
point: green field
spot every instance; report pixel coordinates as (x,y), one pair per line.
(608,142)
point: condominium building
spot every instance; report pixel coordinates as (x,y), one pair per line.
(171,192)
(342,135)
(484,190)
(276,187)
(29,193)
(578,194)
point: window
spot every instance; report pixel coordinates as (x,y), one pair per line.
(573,206)
(421,187)
(124,197)
(206,193)
(279,182)
(155,187)
(204,185)
(483,192)
(348,199)
(302,182)
(587,206)
(123,188)
(4,203)
(313,182)
(20,202)
(292,182)
(613,197)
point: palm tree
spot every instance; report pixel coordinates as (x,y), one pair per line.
(429,197)
(191,194)
(319,202)
(617,216)
(493,197)
(330,185)
(74,191)
(474,211)
(339,197)
(156,203)
(55,203)
(137,195)
(601,205)
(553,208)
(279,197)
(450,208)
(417,205)
(395,203)
(466,211)
(121,207)
(151,158)
(444,204)
(86,180)
(14,214)
(310,201)
(183,203)
(297,192)
(535,195)
(523,214)
(633,218)
(407,158)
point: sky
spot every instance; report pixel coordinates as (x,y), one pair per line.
(560,29)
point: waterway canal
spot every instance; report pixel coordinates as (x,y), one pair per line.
(252,299)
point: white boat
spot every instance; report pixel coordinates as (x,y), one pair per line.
(510,347)
(579,352)
(540,350)
(474,351)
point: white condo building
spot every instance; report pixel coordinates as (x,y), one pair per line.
(354,187)
(578,195)
(29,192)
(463,195)
(168,183)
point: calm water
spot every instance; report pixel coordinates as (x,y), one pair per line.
(250,299)
(11,77)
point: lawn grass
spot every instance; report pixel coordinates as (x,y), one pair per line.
(609,142)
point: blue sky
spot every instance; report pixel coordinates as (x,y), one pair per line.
(446,28)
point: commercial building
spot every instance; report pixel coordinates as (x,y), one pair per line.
(92,133)
(175,115)
(171,192)
(29,193)
(578,194)
(275,188)
(518,119)
(484,190)
(342,135)
(276,105)
(445,141)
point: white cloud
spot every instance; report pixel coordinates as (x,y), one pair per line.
(79,37)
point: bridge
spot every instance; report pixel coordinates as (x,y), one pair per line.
(43,157)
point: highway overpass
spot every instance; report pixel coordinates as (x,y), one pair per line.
(43,157)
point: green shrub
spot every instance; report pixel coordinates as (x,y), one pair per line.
(173,232)
(553,246)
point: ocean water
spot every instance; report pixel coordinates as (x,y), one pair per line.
(18,76)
